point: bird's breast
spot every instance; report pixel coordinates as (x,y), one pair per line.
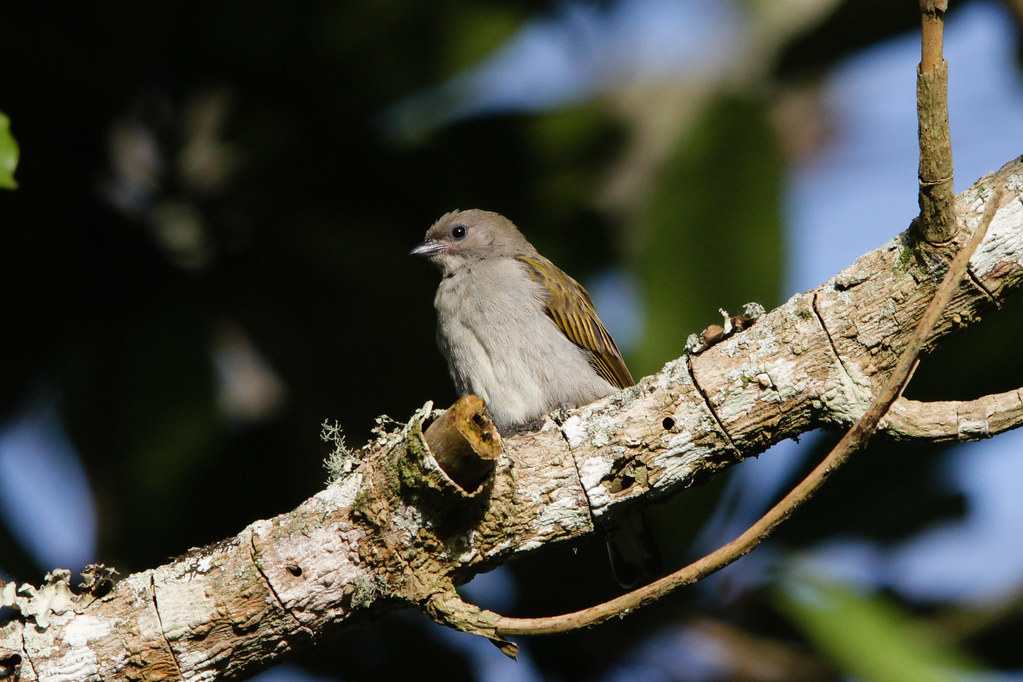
(501,345)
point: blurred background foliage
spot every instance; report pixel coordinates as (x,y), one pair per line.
(206,257)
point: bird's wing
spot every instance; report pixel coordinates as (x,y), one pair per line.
(571,308)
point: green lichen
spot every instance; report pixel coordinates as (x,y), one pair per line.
(361,503)
(408,463)
(907,254)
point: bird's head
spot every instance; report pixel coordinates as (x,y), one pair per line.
(463,237)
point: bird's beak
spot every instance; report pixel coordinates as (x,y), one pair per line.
(427,249)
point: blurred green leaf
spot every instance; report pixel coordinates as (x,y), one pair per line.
(573,145)
(8,154)
(870,637)
(473,33)
(709,234)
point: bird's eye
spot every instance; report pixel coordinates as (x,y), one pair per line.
(459,231)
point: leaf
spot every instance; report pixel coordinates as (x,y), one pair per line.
(869,637)
(708,235)
(8,154)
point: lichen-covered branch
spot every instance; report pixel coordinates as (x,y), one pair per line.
(854,439)
(954,420)
(395,531)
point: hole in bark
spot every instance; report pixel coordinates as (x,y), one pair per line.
(9,666)
(668,423)
(294,569)
(102,588)
(481,422)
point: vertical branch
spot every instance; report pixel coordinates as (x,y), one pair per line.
(937,214)
(933,18)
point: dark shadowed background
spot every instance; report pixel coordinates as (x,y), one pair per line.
(207,257)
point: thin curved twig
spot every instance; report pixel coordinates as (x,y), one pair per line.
(854,439)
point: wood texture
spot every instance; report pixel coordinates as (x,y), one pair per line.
(387,535)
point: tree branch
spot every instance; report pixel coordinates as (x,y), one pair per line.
(854,439)
(937,215)
(393,532)
(954,420)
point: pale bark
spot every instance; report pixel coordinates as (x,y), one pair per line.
(395,531)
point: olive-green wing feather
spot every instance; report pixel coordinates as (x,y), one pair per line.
(571,308)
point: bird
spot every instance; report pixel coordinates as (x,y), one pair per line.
(524,336)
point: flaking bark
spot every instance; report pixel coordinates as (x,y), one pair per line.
(387,535)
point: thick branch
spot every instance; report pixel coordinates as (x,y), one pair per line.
(854,439)
(393,533)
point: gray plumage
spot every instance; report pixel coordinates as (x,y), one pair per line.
(525,337)
(515,329)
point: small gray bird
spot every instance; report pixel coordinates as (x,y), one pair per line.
(525,337)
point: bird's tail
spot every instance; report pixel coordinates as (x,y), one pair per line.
(635,558)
